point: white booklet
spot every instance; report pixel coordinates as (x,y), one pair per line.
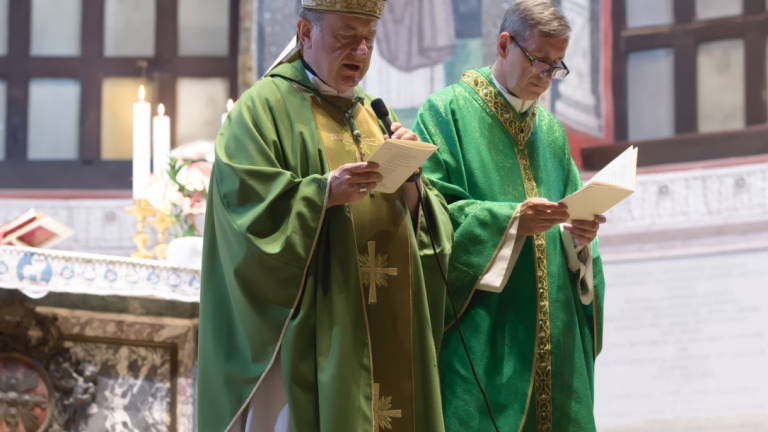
(605,189)
(397,160)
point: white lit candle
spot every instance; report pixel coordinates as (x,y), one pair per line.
(230,104)
(161,142)
(141,146)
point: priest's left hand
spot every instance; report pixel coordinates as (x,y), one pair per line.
(411,194)
(400,132)
(584,231)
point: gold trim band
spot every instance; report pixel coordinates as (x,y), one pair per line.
(371,8)
(521,130)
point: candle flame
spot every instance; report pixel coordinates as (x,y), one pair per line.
(161,110)
(141,93)
(230,104)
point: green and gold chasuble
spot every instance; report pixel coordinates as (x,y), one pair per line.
(535,342)
(346,302)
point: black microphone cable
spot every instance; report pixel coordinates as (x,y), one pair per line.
(453,308)
(382,113)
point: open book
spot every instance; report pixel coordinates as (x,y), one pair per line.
(33,229)
(397,160)
(605,189)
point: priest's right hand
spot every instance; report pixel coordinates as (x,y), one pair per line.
(539,214)
(352,181)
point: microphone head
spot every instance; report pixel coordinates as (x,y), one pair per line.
(379,108)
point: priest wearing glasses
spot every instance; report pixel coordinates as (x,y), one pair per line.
(528,282)
(321,301)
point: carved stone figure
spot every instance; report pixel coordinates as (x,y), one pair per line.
(42,386)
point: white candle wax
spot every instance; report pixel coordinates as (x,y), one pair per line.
(141,146)
(161,142)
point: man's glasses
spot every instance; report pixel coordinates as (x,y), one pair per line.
(558,71)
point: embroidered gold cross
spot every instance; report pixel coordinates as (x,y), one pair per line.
(375,266)
(383,414)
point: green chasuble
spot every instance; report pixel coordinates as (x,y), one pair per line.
(341,308)
(535,342)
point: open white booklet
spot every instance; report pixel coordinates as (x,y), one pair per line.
(397,160)
(605,189)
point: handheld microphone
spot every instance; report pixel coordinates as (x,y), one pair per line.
(382,113)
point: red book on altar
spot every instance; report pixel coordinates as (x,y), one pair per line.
(34,229)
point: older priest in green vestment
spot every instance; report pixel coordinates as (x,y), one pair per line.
(529,285)
(321,305)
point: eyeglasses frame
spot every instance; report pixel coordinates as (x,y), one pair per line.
(550,69)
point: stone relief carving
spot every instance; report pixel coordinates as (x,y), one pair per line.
(693,198)
(43,387)
(25,394)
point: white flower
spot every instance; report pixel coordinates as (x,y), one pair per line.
(195,176)
(161,193)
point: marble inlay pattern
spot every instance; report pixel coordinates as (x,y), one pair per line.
(142,362)
(36,272)
(134,387)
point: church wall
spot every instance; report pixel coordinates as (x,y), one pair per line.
(685,307)
(101,225)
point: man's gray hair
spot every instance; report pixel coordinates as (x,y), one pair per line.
(525,16)
(314,17)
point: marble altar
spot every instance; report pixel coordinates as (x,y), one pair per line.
(134,320)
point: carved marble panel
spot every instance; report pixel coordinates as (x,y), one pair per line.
(134,387)
(44,386)
(146,368)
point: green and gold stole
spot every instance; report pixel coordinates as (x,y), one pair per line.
(520,128)
(383,261)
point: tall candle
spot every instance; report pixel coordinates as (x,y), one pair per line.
(141,146)
(161,142)
(230,104)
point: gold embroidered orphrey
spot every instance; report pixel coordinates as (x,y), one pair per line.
(381,227)
(372,8)
(521,131)
(375,266)
(384,413)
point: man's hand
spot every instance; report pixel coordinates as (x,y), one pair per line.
(539,214)
(399,132)
(584,231)
(350,182)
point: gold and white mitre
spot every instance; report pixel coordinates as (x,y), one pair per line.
(369,8)
(366,8)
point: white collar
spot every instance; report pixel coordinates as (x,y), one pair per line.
(325,89)
(518,104)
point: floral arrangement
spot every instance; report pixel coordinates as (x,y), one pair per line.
(181,194)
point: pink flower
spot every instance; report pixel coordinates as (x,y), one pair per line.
(181,193)
(194,205)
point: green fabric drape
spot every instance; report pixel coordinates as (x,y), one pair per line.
(280,274)
(478,172)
